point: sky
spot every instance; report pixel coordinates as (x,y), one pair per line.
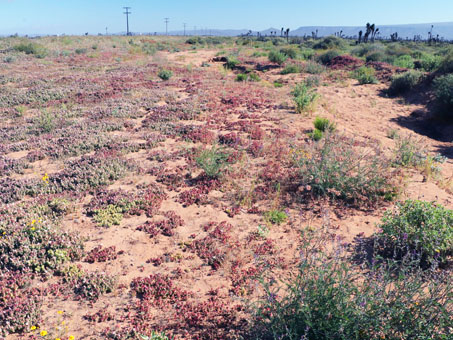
(94,16)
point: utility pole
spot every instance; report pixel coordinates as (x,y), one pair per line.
(127,18)
(184,28)
(166,25)
(106,31)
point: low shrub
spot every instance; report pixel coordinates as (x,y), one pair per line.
(443,90)
(165,74)
(422,229)
(241,77)
(430,63)
(312,67)
(323,124)
(213,161)
(32,48)
(304,97)
(275,216)
(277,57)
(365,75)
(93,285)
(291,68)
(330,42)
(404,61)
(109,216)
(404,82)
(231,62)
(375,56)
(327,299)
(328,56)
(290,52)
(313,81)
(334,168)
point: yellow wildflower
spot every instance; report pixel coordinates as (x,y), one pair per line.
(57,339)
(60,312)
(43,333)
(71,337)
(45,178)
(33,328)
(32,228)
(33,222)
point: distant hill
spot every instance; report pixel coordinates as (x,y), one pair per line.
(444,30)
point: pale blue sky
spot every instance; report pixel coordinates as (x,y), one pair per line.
(93,16)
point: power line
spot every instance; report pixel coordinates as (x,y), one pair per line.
(166,25)
(184,24)
(127,18)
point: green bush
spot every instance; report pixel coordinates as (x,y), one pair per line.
(404,61)
(32,48)
(290,52)
(241,77)
(307,53)
(365,75)
(165,74)
(275,216)
(304,97)
(324,125)
(45,122)
(312,67)
(331,42)
(213,161)
(254,76)
(277,57)
(375,56)
(231,63)
(328,56)
(109,216)
(443,90)
(291,68)
(446,65)
(421,228)
(313,81)
(404,82)
(155,336)
(327,299)
(430,63)
(334,168)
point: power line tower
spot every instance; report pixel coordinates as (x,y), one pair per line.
(184,28)
(166,25)
(127,18)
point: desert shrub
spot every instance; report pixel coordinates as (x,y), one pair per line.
(430,63)
(375,56)
(36,245)
(254,76)
(423,229)
(404,61)
(45,122)
(321,125)
(241,77)
(367,49)
(365,75)
(92,285)
(213,161)
(290,52)
(446,65)
(231,62)
(313,81)
(307,53)
(32,48)
(19,304)
(327,299)
(407,152)
(443,90)
(277,57)
(277,84)
(331,42)
(312,67)
(328,56)
(291,68)
(404,82)
(334,168)
(80,51)
(108,216)
(155,336)
(275,216)
(165,74)
(304,97)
